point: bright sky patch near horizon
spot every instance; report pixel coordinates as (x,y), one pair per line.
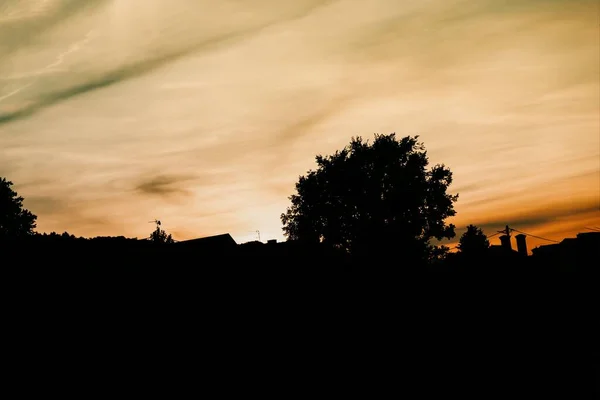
(203,114)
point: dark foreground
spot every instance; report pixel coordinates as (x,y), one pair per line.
(501,328)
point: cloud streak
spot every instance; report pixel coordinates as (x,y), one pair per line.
(163,185)
(140,68)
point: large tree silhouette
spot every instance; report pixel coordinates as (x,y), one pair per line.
(15,221)
(374,199)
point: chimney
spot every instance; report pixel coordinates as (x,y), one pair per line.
(521,244)
(272,241)
(505,241)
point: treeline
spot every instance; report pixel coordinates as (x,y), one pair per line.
(371,205)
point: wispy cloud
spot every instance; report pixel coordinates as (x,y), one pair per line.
(46,69)
(25,22)
(148,63)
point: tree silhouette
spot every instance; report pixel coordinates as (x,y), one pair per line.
(15,221)
(473,242)
(374,199)
(159,236)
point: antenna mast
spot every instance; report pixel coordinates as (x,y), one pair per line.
(157,222)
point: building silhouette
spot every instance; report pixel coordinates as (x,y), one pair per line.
(522,244)
(582,250)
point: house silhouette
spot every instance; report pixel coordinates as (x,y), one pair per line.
(223,243)
(580,250)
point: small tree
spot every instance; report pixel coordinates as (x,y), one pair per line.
(159,236)
(374,199)
(15,221)
(473,242)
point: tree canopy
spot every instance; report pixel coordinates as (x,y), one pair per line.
(15,221)
(159,236)
(373,199)
(473,241)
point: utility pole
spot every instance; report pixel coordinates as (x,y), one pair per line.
(506,231)
(505,238)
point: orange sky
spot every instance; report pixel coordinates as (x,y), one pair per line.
(203,114)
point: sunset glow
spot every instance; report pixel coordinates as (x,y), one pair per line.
(203,114)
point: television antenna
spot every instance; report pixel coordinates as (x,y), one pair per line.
(257,233)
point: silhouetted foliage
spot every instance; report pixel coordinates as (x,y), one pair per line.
(374,199)
(15,221)
(159,236)
(65,236)
(438,254)
(473,242)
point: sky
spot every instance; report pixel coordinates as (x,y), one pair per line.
(203,114)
